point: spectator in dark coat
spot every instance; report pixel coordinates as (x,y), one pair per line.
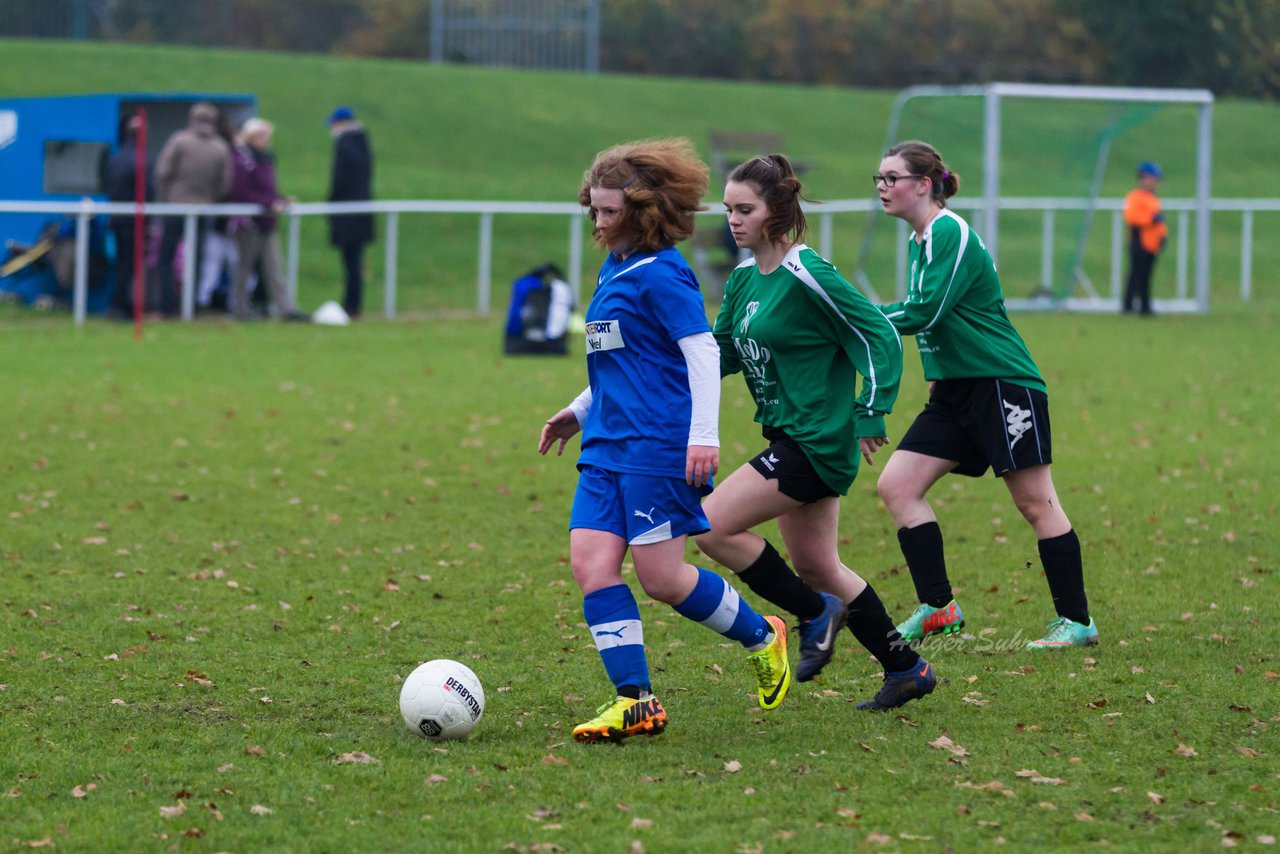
(119,182)
(352,181)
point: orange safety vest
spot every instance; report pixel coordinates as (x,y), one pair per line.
(1142,211)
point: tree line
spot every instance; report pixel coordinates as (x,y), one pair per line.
(1231,47)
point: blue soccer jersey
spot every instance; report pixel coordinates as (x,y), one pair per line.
(640,401)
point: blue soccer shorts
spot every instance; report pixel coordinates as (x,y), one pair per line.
(639,508)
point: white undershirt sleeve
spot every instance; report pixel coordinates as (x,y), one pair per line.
(702,355)
(581,404)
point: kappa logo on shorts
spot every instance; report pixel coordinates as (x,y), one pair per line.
(1019,421)
(769,460)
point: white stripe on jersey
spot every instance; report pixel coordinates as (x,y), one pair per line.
(639,263)
(928,251)
(792,262)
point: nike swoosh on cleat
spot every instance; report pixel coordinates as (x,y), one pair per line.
(828,638)
(925,670)
(781,682)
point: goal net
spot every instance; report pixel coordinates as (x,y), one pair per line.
(1043,173)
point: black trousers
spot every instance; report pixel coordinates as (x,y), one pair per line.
(122,298)
(1138,288)
(353,265)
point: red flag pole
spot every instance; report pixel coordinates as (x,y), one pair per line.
(139,222)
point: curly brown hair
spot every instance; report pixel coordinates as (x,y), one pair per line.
(662,182)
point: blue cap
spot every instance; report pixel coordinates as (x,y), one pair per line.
(1148,167)
(341,114)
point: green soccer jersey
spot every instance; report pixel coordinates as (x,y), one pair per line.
(801,335)
(955,308)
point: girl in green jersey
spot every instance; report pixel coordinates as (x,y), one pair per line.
(988,405)
(802,336)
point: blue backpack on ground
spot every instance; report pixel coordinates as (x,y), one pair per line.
(538,317)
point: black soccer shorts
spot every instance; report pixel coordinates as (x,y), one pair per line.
(983,423)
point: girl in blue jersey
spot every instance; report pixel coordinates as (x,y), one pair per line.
(803,337)
(988,405)
(650,440)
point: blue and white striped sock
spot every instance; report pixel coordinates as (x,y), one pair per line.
(719,607)
(614,618)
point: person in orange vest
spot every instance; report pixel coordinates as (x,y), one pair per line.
(1147,235)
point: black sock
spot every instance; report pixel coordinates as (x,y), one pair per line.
(922,547)
(631,692)
(871,625)
(1064,571)
(772,580)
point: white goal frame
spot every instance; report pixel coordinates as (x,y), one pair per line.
(993,95)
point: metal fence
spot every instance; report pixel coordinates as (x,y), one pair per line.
(563,34)
(1178,210)
(557,34)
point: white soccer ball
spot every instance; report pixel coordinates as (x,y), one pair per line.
(442,700)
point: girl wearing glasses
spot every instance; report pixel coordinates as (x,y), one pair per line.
(801,336)
(988,405)
(650,442)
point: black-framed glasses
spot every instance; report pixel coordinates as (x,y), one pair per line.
(890,180)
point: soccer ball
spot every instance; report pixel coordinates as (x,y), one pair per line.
(442,700)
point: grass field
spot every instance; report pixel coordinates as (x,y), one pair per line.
(223,547)
(451,132)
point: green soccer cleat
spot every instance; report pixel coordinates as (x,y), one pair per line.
(927,620)
(773,674)
(623,718)
(1065,633)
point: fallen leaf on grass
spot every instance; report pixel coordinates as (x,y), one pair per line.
(254,750)
(259,809)
(83,791)
(1248,751)
(552,759)
(878,839)
(641,822)
(993,786)
(436,780)
(1036,777)
(1083,816)
(942,742)
(174,811)
(47,842)
(1156,799)
(1185,750)
(358,757)
(733,766)
(1266,839)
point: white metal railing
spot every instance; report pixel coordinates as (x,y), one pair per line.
(486,211)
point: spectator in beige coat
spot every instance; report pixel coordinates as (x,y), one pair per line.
(194,167)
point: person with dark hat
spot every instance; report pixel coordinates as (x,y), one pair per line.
(1147,236)
(351,181)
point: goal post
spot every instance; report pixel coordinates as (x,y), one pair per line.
(991,131)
